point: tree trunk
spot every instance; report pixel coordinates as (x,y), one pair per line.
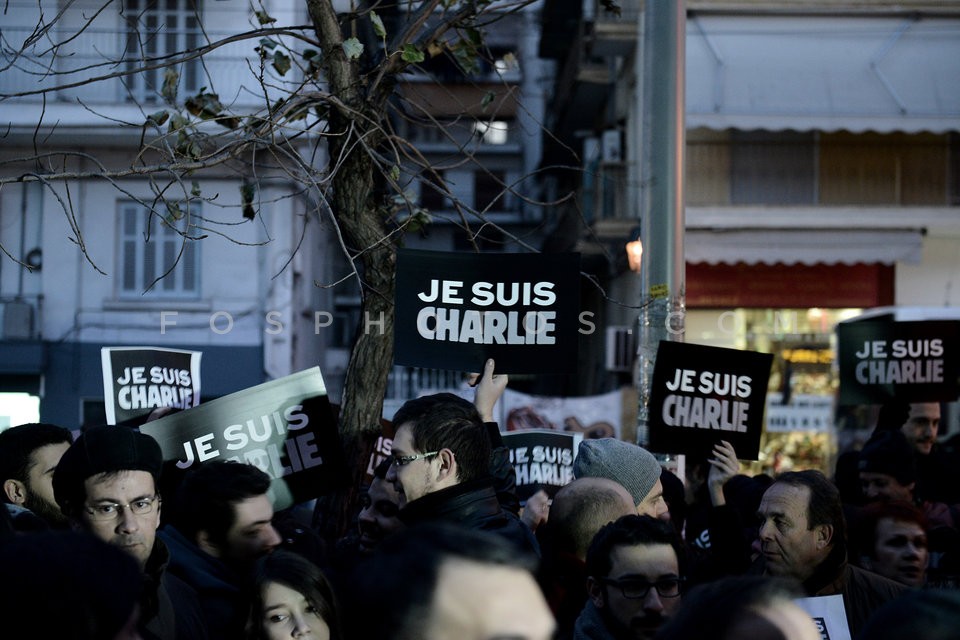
(355,128)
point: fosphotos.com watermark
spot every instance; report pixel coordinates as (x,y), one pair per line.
(483,327)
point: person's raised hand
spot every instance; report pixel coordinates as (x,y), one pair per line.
(723,466)
(490,387)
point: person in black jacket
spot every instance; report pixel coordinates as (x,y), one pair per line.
(106,484)
(441,468)
(803,536)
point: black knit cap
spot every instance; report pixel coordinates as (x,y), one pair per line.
(889,452)
(104,449)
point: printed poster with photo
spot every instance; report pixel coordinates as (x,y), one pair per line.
(455,310)
(701,395)
(137,380)
(907,361)
(596,416)
(285,427)
(542,459)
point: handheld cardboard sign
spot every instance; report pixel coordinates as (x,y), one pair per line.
(455,310)
(542,459)
(285,427)
(137,380)
(907,361)
(701,395)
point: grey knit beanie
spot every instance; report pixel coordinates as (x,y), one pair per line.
(631,465)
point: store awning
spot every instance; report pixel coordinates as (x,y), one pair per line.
(825,73)
(803,246)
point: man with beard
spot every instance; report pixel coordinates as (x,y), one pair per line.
(222,524)
(106,484)
(29,454)
(635,572)
(938,479)
(803,536)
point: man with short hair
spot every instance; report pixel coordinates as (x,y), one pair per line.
(635,569)
(580,509)
(441,469)
(803,536)
(628,464)
(106,484)
(379,512)
(938,473)
(439,580)
(223,524)
(29,453)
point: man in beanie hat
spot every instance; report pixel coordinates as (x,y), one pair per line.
(106,484)
(888,472)
(886,466)
(632,466)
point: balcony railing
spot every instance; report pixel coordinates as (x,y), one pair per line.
(116,66)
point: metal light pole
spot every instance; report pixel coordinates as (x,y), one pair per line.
(661,143)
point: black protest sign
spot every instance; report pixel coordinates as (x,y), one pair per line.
(456,310)
(285,427)
(701,395)
(906,361)
(137,380)
(542,459)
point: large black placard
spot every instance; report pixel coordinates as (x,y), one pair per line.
(285,427)
(455,310)
(909,361)
(701,395)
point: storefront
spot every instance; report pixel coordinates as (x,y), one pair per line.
(790,311)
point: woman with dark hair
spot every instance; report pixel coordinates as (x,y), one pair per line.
(292,598)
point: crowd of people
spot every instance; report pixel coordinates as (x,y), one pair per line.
(96,543)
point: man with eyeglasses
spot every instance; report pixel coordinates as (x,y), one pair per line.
(634,568)
(106,484)
(441,468)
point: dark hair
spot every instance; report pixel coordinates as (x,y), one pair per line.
(207,495)
(927,614)
(73,584)
(630,531)
(824,506)
(447,421)
(380,471)
(409,563)
(295,572)
(720,608)
(863,529)
(17,445)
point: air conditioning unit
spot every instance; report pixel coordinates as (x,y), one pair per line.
(17,321)
(612,146)
(621,349)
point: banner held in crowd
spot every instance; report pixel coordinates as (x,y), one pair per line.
(542,459)
(701,395)
(137,380)
(285,427)
(907,361)
(455,310)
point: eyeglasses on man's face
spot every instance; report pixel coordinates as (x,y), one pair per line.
(635,588)
(401,461)
(107,511)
